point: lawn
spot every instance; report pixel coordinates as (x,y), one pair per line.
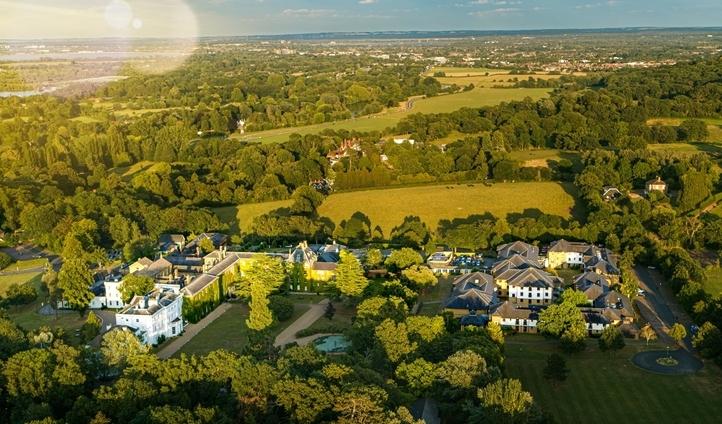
(27,317)
(608,388)
(388,207)
(241,217)
(229,331)
(22,272)
(342,319)
(439,104)
(23,265)
(686,148)
(713,285)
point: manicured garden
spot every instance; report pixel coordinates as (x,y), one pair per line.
(605,387)
(230,332)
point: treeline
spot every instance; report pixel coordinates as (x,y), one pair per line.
(394,359)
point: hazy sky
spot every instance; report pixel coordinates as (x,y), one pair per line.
(93,18)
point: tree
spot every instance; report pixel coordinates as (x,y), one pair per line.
(677,332)
(12,339)
(329,311)
(120,347)
(138,248)
(403,258)
(505,400)
(91,328)
(373,259)
(419,375)
(421,277)
(206,246)
(611,339)
(708,340)
(556,368)
(306,200)
(350,279)
(630,284)
(75,280)
(463,369)
(262,278)
(281,307)
(695,188)
(648,333)
(394,339)
(135,284)
(575,297)
(29,374)
(495,332)
(564,321)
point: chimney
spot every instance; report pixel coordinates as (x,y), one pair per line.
(145,302)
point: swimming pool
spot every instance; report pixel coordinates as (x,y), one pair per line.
(332,344)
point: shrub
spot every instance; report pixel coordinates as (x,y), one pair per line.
(330,328)
(5,260)
(281,307)
(20,294)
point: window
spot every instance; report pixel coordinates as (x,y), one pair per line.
(173,330)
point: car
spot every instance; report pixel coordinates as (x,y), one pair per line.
(641,292)
(651,267)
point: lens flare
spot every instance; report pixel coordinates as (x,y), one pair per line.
(92,42)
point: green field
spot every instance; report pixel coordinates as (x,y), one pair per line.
(484,77)
(20,272)
(608,388)
(686,148)
(713,285)
(388,207)
(229,331)
(439,104)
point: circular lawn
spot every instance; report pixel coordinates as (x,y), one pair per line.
(675,362)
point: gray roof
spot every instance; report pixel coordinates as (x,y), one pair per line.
(530,277)
(475,291)
(199,283)
(157,300)
(518,248)
(570,246)
(511,311)
(514,262)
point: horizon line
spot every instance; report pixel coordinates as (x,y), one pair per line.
(468,32)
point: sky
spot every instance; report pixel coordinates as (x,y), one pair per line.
(23,19)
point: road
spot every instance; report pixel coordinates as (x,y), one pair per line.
(659,305)
(288,335)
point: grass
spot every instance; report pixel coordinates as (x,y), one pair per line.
(437,294)
(23,265)
(230,332)
(713,284)
(342,319)
(568,274)
(478,97)
(608,388)
(686,148)
(388,207)
(241,217)
(27,316)
(27,274)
